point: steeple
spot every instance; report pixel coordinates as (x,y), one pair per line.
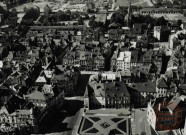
(129,14)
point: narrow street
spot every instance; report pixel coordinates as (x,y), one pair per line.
(139,122)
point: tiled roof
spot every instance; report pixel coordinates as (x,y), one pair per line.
(116,89)
(37,95)
(144,87)
(60,77)
(125,73)
(14,103)
(84,55)
(161,83)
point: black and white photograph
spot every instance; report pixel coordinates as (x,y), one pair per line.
(92,67)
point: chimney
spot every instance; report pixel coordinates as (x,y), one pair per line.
(164,102)
(159,106)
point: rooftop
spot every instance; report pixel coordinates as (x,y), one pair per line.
(144,87)
(36,95)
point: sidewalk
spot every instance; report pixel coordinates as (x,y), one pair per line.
(133,126)
(139,122)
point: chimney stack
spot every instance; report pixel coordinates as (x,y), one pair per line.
(159,106)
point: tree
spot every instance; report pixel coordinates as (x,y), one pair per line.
(68,12)
(80,21)
(161,21)
(92,18)
(117,18)
(179,22)
(14,12)
(47,10)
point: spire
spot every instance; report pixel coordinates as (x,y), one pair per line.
(129,13)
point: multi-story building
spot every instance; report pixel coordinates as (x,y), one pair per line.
(66,79)
(162,88)
(166,113)
(121,61)
(161,33)
(107,95)
(86,60)
(142,93)
(19,119)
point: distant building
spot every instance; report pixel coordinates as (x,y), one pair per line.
(161,33)
(121,61)
(87,60)
(75,8)
(160,10)
(19,119)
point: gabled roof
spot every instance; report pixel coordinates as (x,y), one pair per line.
(71,55)
(3,110)
(37,95)
(14,103)
(161,83)
(60,77)
(41,79)
(48,73)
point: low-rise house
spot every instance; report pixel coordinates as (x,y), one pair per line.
(48,90)
(40,81)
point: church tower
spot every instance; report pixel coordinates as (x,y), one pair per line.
(129,15)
